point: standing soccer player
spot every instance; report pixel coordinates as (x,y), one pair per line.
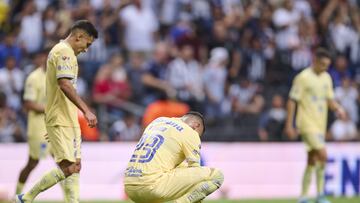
(34,102)
(61,110)
(165,165)
(312,92)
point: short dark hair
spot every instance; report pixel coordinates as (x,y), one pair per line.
(199,116)
(322,53)
(87,26)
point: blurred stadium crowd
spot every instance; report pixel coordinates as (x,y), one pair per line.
(233,60)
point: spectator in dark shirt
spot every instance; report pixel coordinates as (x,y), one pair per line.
(155,76)
(340,70)
(272,121)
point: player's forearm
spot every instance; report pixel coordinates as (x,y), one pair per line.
(71,94)
(334,105)
(291,105)
(33,106)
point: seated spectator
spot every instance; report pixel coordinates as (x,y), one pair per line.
(126,129)
(215,75)
(111,83)
(185,75)
(344,130)
(163,107)
(111,91)
(10,129)
(246,98)
(348,97)
(11,83)
(272,122)
(155,75)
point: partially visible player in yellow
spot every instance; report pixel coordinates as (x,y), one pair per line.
(312,92)
(34,102)
(61,118)
(165,165)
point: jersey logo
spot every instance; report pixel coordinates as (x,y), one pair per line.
(65,58)
(64,68)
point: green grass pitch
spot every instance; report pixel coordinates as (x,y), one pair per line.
(333,200)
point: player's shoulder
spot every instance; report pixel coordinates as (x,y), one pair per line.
(326,75)
(304,73)
(34,74)
(62,49)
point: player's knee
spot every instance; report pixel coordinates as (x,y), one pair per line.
(32,164)
(77,167)
(68,168)
(217,177)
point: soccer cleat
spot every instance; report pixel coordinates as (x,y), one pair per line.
(304,200)
(322,199)
(18,198)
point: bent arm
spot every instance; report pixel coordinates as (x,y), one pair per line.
(70,92)
(291,106)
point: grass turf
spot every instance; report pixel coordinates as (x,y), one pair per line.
(333,200)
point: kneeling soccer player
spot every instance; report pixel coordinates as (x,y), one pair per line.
(156,171)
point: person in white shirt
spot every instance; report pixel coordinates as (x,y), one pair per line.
(343,130)
(11,83)
(141,26)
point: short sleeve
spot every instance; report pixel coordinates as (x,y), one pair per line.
(191,149)
(30,89)
(65,66)
(297,88)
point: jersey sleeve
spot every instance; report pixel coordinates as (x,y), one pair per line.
(30,89)
(297,89)
(65,67)
(191,149)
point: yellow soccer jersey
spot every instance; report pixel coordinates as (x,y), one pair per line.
(312,91)
(34,91)
(165,144)
(61,63)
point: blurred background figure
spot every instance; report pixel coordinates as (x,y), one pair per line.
(10,129)
(344,130)
(126,129)
(272,122)
(215,75)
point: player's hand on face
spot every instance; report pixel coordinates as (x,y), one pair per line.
(91,119)
(291,133)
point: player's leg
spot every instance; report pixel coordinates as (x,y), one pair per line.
(38,149)
(24,174)
(310,142)
(71,185)
(62,142)
(202,189)
(307,176)
(188,184)
(320,174)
